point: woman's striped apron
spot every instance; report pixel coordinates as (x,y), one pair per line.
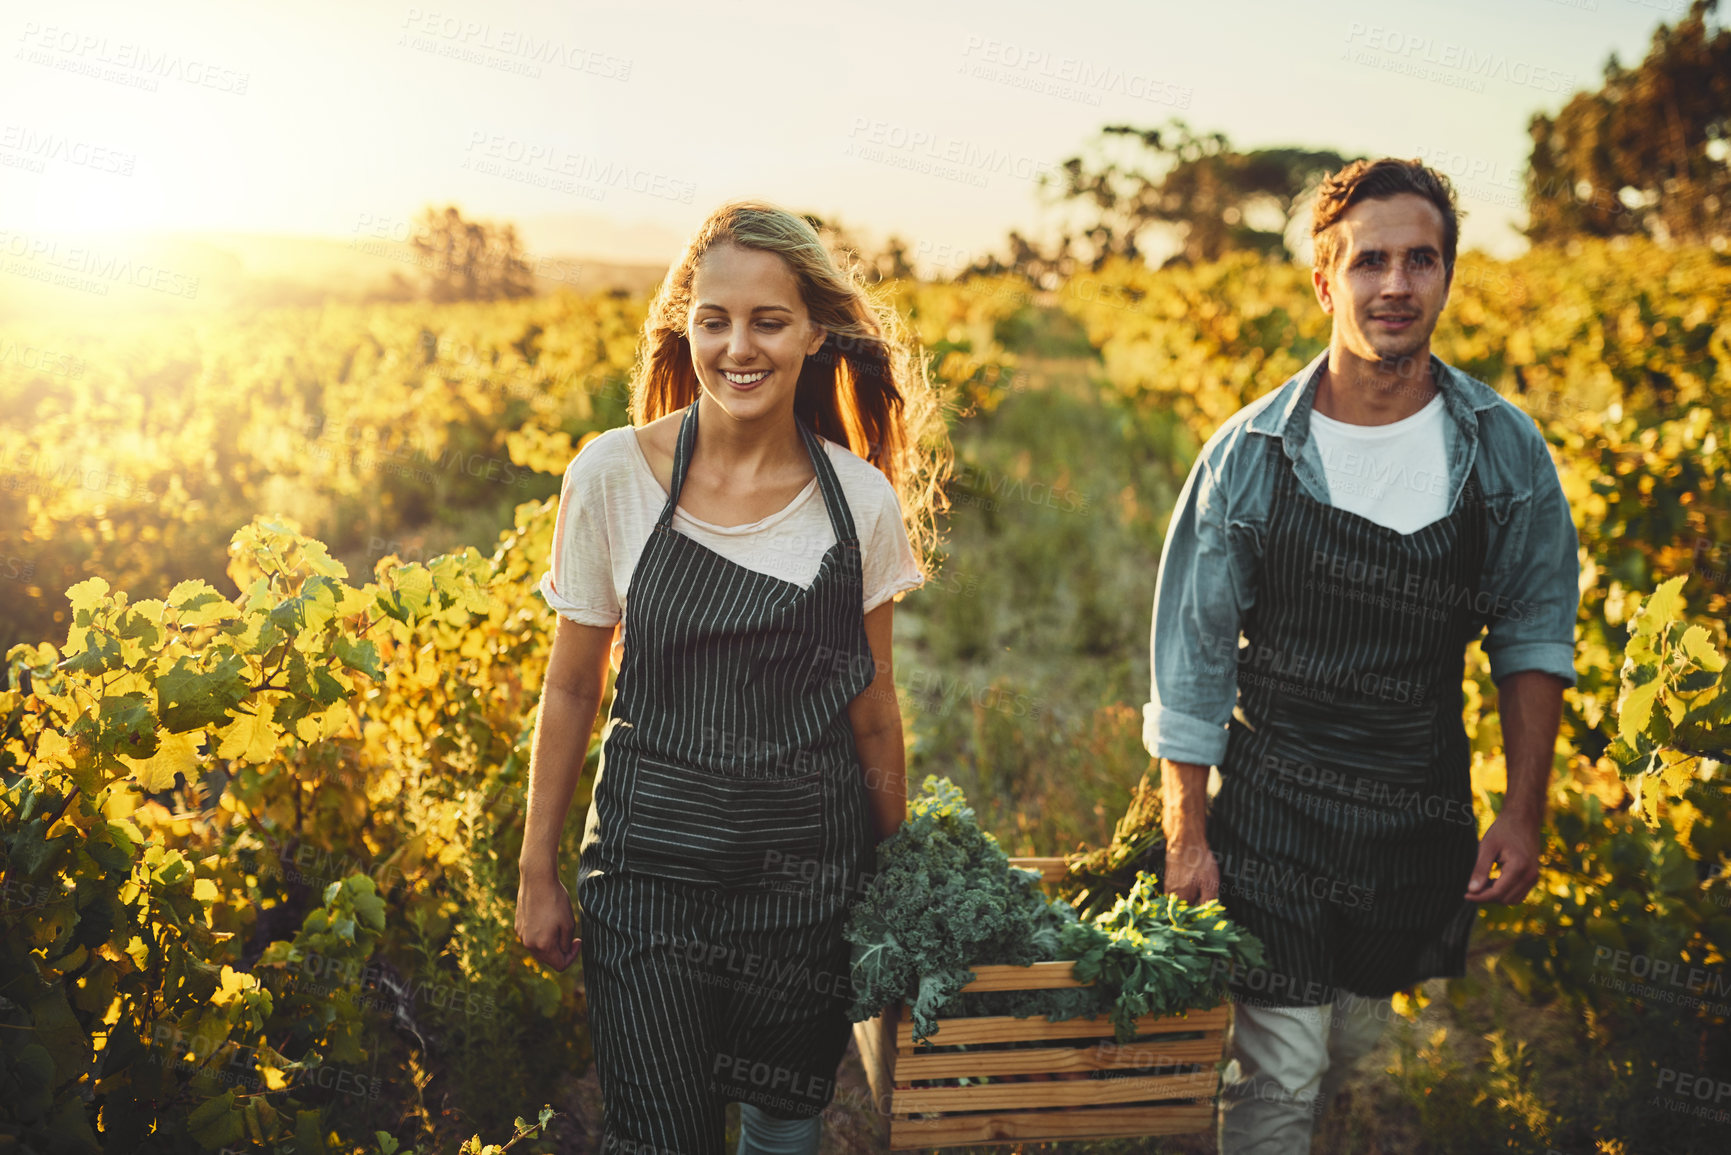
(1343,827)
(727,833)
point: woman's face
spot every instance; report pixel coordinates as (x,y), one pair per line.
(749,331)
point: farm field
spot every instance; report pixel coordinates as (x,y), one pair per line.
(274,649)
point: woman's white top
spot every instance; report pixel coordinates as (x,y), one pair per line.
(1397,475)
(611,498)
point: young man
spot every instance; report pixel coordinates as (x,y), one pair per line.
(1359,526)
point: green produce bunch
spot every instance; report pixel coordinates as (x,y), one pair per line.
(1154,954)
(946,898)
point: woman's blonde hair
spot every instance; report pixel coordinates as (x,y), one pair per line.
(865,388)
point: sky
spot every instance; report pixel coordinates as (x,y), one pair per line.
(611,130)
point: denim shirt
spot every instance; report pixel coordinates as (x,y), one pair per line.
(1211,561)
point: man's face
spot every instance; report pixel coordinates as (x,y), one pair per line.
(1387,285)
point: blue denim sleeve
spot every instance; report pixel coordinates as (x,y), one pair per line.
(1532,617)
(1193,643)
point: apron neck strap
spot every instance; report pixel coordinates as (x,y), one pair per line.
(840,518)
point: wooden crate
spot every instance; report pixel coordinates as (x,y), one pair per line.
(1069,1104)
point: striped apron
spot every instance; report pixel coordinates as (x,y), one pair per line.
(1343,828)
(727,833)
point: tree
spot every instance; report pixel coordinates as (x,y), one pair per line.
(1214,197)
(468,260)
(1645,154)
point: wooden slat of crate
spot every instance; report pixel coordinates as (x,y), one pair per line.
(1038,976)
(1051,869)
(969,1032)
(1056,1093)
(1101,1123)
(1104,1056)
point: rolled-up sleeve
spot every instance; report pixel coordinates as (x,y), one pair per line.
(1199,598)
(1532,616)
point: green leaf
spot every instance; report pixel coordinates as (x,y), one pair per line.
(189,698)
(200,605)
(318,599)
(140,628)
(1662,607)
(96,922)
(87,594)
(414,584)
(362,656)
(128,727)
(309,1139)
(210,1110)
(326,690)
(1635,711)
(1698,644)
(110,857)
(221,1123)
(100,654)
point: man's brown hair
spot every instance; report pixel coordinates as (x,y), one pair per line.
(1375,179)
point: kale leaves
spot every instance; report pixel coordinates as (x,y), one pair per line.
(945,898)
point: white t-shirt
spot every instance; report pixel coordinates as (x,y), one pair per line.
(1397,475)
(611,498)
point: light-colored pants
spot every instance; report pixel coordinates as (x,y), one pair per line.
(1286,1065)
(764,1134)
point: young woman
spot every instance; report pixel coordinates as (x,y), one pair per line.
(747,535)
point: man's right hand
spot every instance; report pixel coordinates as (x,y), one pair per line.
(545,923)
(1191,872)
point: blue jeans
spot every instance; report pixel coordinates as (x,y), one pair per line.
(763,1134)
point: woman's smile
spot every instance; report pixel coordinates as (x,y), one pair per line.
(744,380)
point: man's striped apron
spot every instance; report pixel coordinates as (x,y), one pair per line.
(728,831)
(1343,827)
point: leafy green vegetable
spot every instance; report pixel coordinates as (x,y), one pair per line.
(946,898)
(1159,955)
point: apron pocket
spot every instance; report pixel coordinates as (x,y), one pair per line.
(1366,739)
(707,828)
